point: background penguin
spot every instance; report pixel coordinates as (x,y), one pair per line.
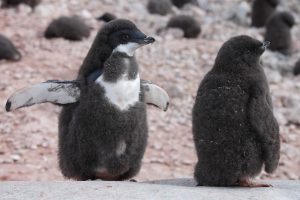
(104,135)
(181,3)
(187,24)
(161,7)
(14,3)
(70,28)
(8,51)
(107,17)
(235,131)
(279,32)
(262,10)
(296,69)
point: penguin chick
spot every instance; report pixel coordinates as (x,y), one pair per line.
(104,136)
(70,28)
(296,69)
(107,17)
(14,3)
(278,32)
(8,51)
(262,10)
(161,7)
(181,3)
(234,129)
(187,24)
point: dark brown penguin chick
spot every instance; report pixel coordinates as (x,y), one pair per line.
(296,69)
(14,3)
(70,28)
(187,24)
(161,7)
(234,128)
(8,51)
(279,32)
(262,10)
(107,17)
(104,135)
(181,3)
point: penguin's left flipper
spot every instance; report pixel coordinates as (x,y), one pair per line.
(53,91)
(155,95)
(266,127)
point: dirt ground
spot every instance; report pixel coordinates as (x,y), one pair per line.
(28,137)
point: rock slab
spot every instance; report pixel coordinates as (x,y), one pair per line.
(164,189)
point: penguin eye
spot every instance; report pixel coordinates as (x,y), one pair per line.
(125,37)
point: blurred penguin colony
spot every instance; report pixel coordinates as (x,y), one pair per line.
(180,19)
(264,14)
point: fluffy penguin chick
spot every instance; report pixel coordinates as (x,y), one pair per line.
(13,3)
(107,17)
(262,10)
(161,7)
(70,28)
(187,24)
(105,135)
(181,3)
(279,32)
(296,70)
(234,129)
(8,51)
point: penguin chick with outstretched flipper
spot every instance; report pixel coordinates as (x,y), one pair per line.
(234,128)
(262,10)
(107,135)
(108,72)
(278,32)
(8,51)
(70,28)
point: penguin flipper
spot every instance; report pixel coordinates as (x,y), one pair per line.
(155,95)
(267,129)
(53,91)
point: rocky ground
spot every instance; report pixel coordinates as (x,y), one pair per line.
(28,137)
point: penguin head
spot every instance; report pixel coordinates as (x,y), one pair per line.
(127,39)
(116,35)
(287,18)
(239,50)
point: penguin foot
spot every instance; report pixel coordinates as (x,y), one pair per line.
(132,180)
(248,183)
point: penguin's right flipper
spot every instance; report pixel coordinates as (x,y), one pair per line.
(266,127)
(155,95)
(57,92)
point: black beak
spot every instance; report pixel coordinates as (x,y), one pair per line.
(149,40)
(265,45)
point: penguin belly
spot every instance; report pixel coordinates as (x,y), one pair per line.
(103,141)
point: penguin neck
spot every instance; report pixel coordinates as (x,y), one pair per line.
(121,81)
(120,66)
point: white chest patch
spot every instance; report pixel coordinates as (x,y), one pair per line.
(123,93)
